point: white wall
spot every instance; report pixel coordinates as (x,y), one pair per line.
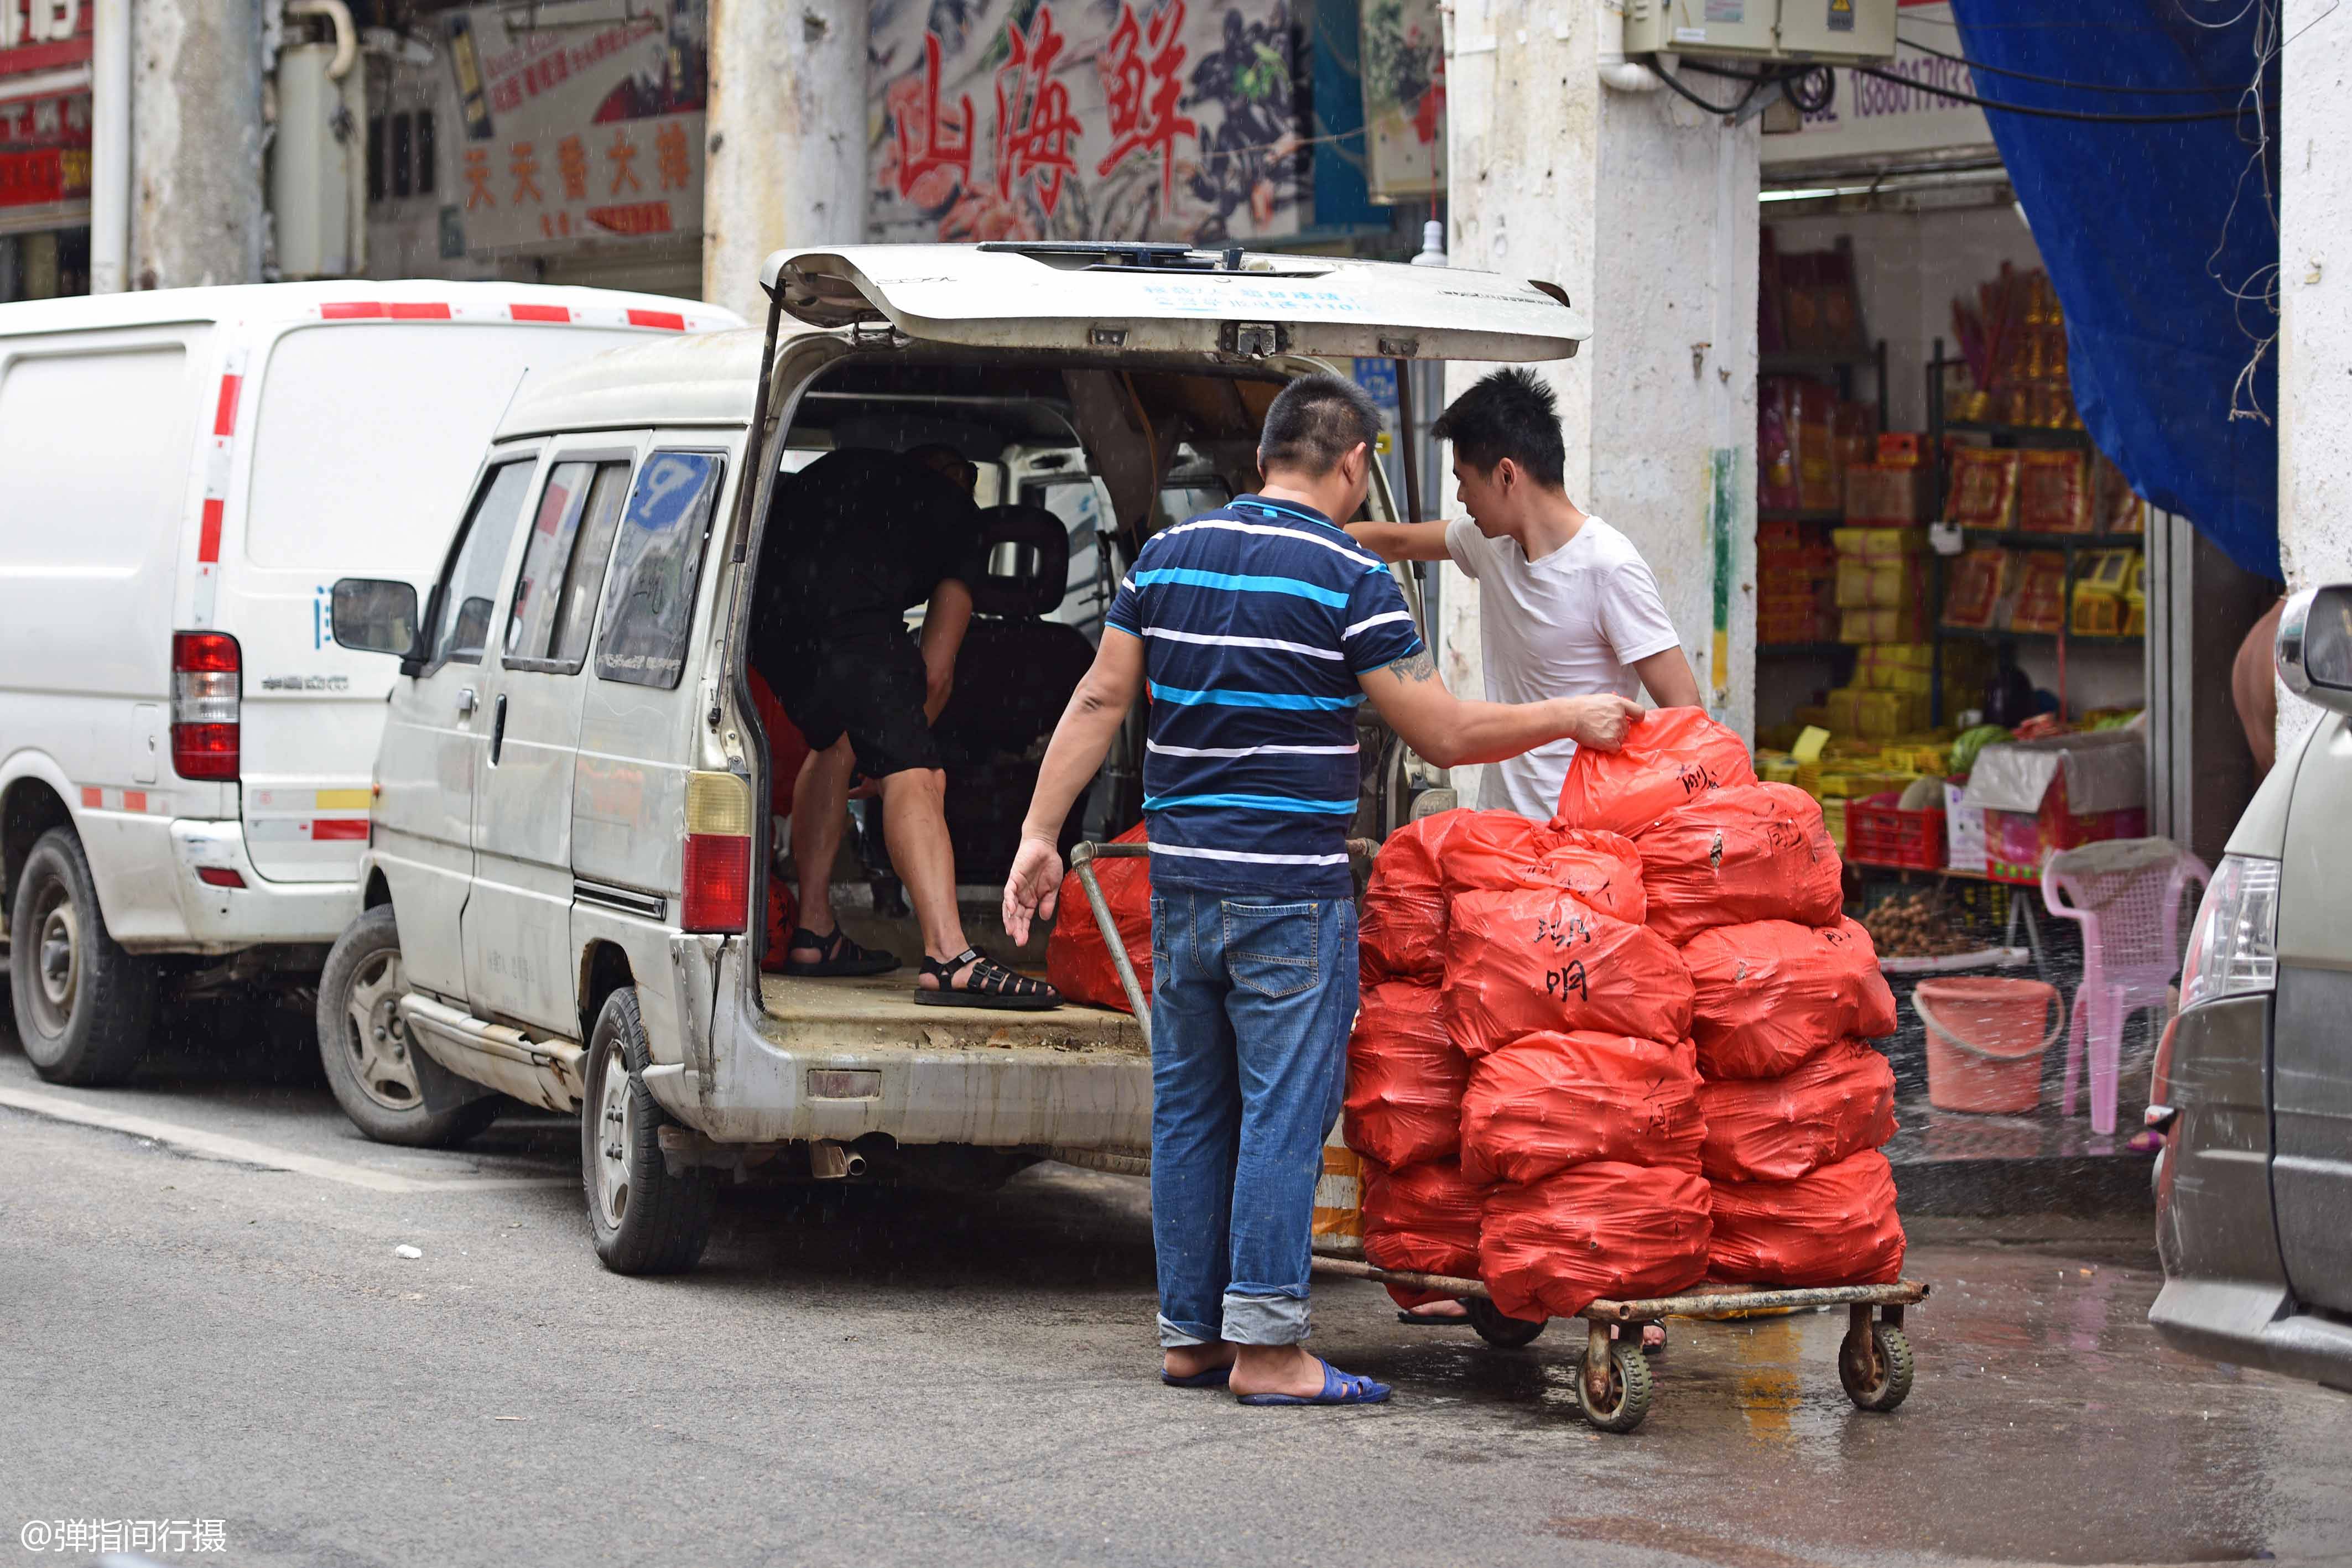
(2315,323)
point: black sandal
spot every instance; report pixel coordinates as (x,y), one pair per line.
(841,957)
(990,984)
(1425,1320)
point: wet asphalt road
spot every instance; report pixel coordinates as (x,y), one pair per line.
(872,1377)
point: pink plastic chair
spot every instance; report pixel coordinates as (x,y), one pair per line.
(2126,893)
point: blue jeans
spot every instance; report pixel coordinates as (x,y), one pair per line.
(1251,1001)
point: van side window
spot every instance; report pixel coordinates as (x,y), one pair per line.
(657,564)
(469,587)
(564,562)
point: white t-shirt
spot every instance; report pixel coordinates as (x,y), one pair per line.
(1568,625)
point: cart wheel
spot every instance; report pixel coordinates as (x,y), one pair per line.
(1501,1332)
(1629,1390)
(1892,1381)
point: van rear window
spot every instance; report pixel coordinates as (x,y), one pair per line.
(656,565)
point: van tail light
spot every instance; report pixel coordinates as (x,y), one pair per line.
(207,683)
(717,893)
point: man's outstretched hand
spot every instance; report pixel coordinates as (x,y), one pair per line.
(1033,887)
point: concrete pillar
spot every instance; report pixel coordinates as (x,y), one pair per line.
(1644,209)
(2315,323)
(196,208)
(787,129)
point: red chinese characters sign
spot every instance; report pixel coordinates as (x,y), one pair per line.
(579,134)
(1147,121)
(44,139)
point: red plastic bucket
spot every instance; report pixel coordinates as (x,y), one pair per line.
(1985,1041)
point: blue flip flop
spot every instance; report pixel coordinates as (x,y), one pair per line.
(1215,1377)
(1338,1388)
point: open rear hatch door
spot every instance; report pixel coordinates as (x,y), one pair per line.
(1170,298)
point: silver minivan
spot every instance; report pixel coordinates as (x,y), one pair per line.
(2254,1078)
(565,873)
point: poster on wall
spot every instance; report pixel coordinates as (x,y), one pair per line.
(582,122)
(1870,116)
(1074,120)
(1403,58)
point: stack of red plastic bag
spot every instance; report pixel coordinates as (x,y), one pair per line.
(1507,1043)
(1076,962)
(1786,995)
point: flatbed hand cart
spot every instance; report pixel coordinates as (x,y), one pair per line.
(1614,1390)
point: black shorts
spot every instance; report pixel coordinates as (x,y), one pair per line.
(866,685)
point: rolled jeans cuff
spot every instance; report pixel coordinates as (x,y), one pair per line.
(1265,1319)
(1172,1334)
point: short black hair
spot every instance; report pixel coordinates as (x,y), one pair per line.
(1313,422)
(1511,414)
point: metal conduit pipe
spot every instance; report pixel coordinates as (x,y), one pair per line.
(109,146)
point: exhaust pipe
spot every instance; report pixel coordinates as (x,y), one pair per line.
(828,1161)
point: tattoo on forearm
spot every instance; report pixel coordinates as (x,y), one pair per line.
(1416,666)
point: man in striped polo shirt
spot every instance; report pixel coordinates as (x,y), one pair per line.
(1259,629)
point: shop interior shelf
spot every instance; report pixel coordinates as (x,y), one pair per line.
(1798,361)
(2025,540)
(1799,515)
(1801,650)
(2027,435)
(2003,635)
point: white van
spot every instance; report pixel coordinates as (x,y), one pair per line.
(566,875)
(184,747)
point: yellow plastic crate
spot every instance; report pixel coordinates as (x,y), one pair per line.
(1778,769)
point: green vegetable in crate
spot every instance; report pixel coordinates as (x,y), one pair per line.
(1971,741)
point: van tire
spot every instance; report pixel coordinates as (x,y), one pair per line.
(364,977)
(82,1004)
(645,1218)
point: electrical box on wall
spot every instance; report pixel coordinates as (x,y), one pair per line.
(317,164)
(1835,32)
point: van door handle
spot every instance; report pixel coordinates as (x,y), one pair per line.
(467,702)
(497,727)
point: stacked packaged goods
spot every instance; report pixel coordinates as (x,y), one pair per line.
(1786,993)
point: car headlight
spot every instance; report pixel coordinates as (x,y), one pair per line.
(2233,947)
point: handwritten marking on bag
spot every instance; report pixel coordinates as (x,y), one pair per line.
(1559,982)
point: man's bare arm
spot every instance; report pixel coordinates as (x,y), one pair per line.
(1401,541)
(945,621)
(1450,732)
(1667,676)
(1080,742)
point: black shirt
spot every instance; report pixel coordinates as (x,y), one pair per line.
(858,539)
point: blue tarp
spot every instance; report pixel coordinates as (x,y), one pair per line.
(2135,225)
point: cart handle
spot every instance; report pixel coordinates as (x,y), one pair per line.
(1083,856)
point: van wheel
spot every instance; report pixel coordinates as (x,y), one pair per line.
(645,1219)
(365,1046)
(82,1003)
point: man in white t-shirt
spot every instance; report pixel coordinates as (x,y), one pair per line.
(1566,606)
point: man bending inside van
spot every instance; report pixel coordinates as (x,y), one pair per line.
(861,536)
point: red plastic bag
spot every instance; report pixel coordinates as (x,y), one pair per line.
(1404,1077)
(1076,962)
(1550,1101)
(1424,1218)
(1752,851)
(1536,959)
(1840,1103)
(1670,755)
(1835,1226)
(1424,865)
(1772,992)
(1624,1231)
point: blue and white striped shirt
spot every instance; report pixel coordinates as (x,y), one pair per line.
(1256,619)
